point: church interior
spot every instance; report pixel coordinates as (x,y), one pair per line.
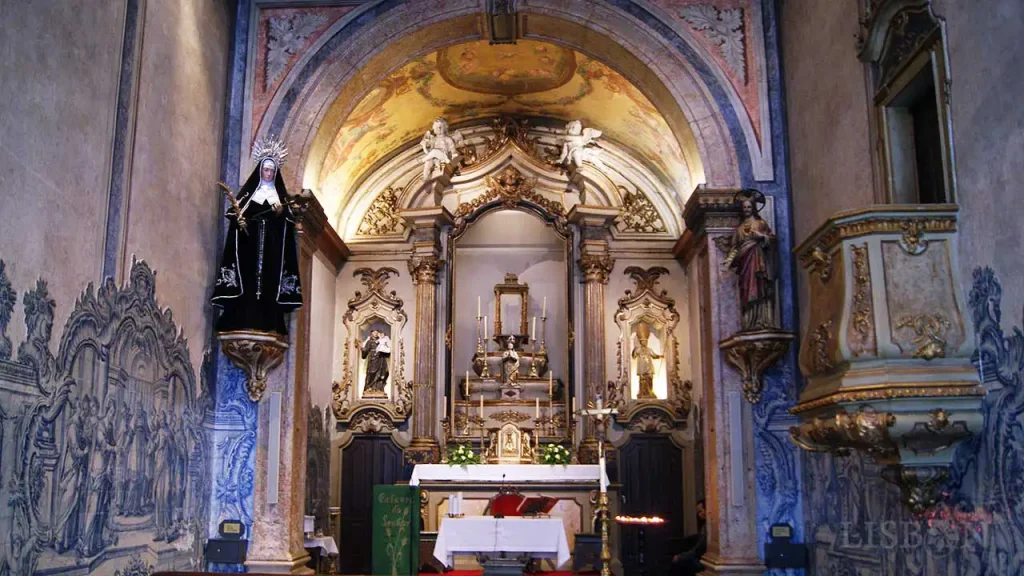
(401,287)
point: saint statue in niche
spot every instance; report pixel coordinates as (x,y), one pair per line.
(752,256)
(645,358)
(439,148)
(258,279)
(510,363)
(376,349)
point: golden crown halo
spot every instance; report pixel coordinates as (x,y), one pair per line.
(269,147)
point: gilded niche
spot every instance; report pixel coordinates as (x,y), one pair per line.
(373,387)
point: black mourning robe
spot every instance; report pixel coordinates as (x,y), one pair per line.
(258,279)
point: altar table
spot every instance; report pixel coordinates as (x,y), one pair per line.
(538,537)
(509,473)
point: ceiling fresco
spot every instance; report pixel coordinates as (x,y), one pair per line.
(477,80)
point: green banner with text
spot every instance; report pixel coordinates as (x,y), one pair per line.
(396,530)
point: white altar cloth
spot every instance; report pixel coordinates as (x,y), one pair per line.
(508,473)
(540,537)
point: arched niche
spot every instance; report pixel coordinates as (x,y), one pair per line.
(501,242)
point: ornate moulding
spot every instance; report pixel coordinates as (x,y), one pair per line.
(488,146)
(369,414)
(649,306)
(888,351)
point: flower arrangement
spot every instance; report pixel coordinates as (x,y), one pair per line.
(555,454)
(463,455)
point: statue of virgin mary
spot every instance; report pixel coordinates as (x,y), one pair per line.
(258,279)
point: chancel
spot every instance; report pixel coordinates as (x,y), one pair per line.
(505,287)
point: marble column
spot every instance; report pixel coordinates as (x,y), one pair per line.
(424,265)
(729,470)
(595,265)
(276,543)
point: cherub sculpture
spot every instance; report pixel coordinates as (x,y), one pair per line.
(439,147)
(579,145)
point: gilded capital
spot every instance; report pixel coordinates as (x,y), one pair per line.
(424,269)
(596,267)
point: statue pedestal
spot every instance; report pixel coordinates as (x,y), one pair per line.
(751,353)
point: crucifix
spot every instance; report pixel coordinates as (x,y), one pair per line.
(601,416)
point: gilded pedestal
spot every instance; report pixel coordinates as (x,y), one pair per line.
(887,348)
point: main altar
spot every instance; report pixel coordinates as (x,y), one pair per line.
(576,489)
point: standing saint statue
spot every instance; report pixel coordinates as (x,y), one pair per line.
(752,255)
(258,279)
(510,363)
(645,358)
(376,349)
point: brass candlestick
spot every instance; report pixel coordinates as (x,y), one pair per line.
(543,330)
(533,361)
(479,335)
(606,551)
(447,431)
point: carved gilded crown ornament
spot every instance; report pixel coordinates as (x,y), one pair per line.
(888,351)
(510,189)
(373,395)
(646,319)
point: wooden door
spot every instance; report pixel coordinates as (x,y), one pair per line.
(368,460)
(651,471)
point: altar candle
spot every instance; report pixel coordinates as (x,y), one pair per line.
(481,406)
(551,386)
(536,409)
(544,308)
(478,307)
(604,474)
(467,384)
(533,334)
(574,407)
(485,330)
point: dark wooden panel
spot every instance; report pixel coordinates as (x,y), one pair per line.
(651,469)
(368,460)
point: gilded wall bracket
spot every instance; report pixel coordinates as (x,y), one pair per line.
(751,353)
(256,353)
